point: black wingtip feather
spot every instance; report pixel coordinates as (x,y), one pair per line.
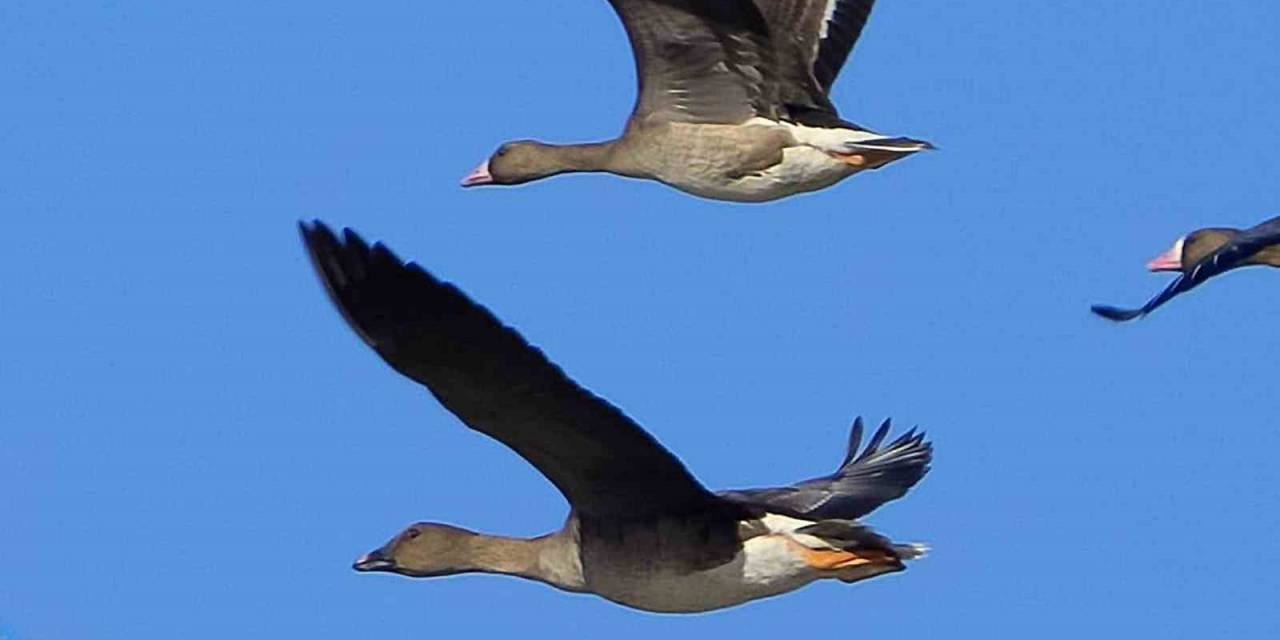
(1116,314)
(354,242)
(876,440)
(855,440)
(853,456)
(867,479)
(907,438)
(880,472)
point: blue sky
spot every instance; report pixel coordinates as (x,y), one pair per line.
(193,442)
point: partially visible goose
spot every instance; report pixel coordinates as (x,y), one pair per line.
(642,531)
(1203,254)
(732,103)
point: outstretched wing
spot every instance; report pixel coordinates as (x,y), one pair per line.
(844,21)
(1118,314)
(1232,255)
(861,484)
(812,40)
(496,383)
(699,61)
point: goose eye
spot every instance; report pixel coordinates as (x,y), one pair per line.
(412,533)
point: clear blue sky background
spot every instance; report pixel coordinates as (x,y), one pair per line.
(194,445)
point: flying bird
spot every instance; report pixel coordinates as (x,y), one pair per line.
(1203,254)
(641,530)
(732,103)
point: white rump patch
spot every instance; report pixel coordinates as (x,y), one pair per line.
(786,526)
(845,141)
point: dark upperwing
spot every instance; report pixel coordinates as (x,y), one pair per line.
(812,40)
(496,383)
(1232,255)
(861,484)
(699,61)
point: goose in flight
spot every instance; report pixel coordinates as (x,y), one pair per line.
(1203,254)
(732,103)
(641,531)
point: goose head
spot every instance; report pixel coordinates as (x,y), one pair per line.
(422,550)
(1191,248)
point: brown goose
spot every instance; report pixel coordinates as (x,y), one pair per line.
(1203,254)
(641,531)
(732,103)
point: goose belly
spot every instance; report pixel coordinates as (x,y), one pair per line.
(765,566)
(802,169)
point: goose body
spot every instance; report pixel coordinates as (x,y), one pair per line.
(759,567)
(757,162)
(641,531)
(776,558)
(732,103)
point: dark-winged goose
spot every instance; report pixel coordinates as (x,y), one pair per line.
(732,103)
(1203,254)
(641,531)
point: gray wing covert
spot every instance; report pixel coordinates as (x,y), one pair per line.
(699,61)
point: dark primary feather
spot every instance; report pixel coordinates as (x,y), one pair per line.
(496,383)
(725,61)
(794,26)
(699,61)
(843,31)
(1117,314)
(808,63)
(1231,256)
(863,482)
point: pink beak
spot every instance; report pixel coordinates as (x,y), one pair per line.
(1170,260)
(478,177)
